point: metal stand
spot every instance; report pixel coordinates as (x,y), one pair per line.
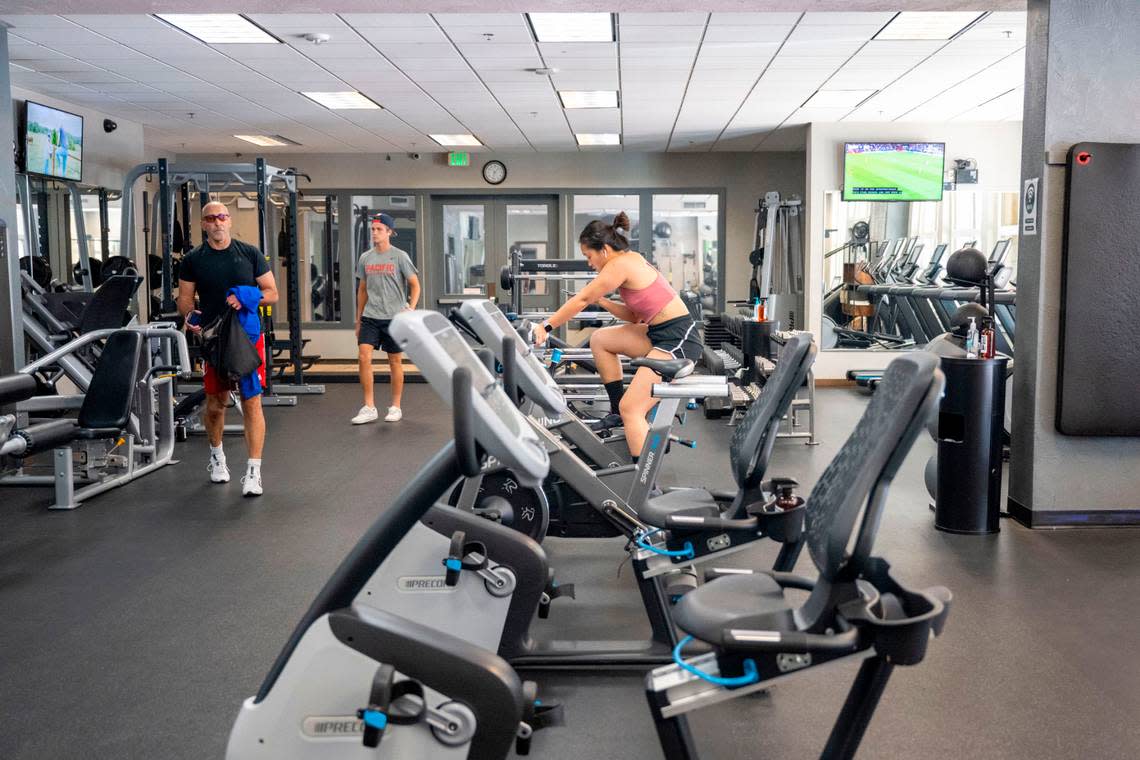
(858,709)
(217,178)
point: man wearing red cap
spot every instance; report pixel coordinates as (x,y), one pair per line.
(388,284)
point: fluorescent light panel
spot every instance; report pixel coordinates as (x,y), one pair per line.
(588,98)
(268,141)
(926,25)
(341,101)
(219,28)
(452,140)
(572,27)
(838,98)
(598,139)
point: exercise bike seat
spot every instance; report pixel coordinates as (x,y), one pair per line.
(752,601)
(694,502)
(669,369)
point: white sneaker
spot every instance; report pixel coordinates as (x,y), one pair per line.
(251,483)
(366,414)
(394,414)
(219,473)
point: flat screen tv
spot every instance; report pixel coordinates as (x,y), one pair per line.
(53,142)
(890,171)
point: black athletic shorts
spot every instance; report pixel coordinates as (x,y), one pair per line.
(374,332)
(680,337)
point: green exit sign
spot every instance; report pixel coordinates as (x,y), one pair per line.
(458,158)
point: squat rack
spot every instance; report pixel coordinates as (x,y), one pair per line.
(209,178)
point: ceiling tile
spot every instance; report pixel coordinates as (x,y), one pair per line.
(662,19)
(847,19)
(388,20)
(479,20)
(755,19)
(754,34)
(661,34)
(498,34)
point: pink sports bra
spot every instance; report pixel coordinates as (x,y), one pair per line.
(646,303)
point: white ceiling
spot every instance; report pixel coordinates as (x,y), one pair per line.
(688,81)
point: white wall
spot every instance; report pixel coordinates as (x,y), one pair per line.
(995,146)
(744,176)
(107,157)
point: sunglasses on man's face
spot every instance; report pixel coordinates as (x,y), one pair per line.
(215,217)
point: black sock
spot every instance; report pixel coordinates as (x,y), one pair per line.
(615,389)
(634,458)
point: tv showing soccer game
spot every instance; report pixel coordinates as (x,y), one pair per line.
(875,171)
(53,142)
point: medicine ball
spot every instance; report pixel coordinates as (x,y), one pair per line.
(967,267)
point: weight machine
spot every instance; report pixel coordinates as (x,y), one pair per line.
(777,259)
(523,270)
(36,232)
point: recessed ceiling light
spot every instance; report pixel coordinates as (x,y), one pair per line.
(572,27)
(927,25)
(268,141)
(341,101)
(598,139)
(588,98)
(838,98)
(450,140)
(219,28)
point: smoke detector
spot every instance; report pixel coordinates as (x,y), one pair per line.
(318,38)
(543,71)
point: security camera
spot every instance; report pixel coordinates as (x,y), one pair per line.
(109,126)
(414,156)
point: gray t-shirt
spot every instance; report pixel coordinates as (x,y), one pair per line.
(386,277)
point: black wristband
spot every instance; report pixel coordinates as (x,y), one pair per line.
(548,327)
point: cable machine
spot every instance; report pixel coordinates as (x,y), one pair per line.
(778,259)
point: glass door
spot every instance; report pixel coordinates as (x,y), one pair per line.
(474,238)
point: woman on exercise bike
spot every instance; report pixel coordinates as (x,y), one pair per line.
(660,325)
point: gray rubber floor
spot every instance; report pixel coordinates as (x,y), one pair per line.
(134,626)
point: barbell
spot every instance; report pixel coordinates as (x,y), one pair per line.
(507,278)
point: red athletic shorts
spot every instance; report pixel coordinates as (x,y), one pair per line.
(215,383)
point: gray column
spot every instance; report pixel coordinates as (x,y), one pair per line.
(11,327)
(1081,69)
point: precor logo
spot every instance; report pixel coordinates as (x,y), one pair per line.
(422,583)
(332,726)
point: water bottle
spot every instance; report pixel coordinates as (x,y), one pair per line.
(758,309)
(986,348)
(972,340)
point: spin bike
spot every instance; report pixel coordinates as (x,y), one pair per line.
(587,497)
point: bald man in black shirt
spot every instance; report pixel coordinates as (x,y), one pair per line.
(208,272)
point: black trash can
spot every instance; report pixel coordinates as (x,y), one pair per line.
(970,425)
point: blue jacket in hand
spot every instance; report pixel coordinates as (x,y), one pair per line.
(250,319)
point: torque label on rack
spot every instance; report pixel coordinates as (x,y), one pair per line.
(419,583)
(332,726)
